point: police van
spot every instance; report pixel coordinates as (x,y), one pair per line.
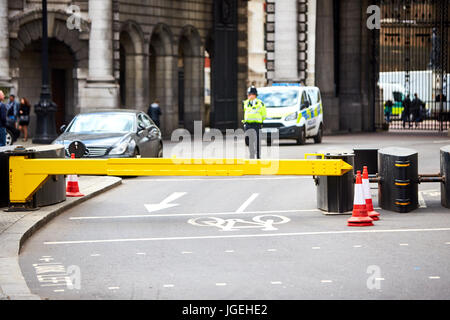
(294,111)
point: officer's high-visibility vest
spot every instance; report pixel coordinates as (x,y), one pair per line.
(254,112)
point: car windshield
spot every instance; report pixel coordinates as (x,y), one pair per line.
(278,99)
(103,122)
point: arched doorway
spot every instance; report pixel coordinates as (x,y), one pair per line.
(68,62)
(191,104)
(61,78)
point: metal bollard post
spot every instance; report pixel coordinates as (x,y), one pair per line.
(399,177)
(445,173)
(335,194)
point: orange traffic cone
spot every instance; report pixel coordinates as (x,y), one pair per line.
(72,189)
(368,197)
(359,217)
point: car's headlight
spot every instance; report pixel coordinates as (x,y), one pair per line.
(292,116)
(120,148)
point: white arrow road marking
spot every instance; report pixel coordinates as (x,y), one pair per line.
(166,203)
(247,203)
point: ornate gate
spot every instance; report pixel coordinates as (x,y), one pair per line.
(413,58)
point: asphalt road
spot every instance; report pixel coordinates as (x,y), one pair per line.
(241,238)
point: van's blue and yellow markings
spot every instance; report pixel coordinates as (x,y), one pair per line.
(286,85)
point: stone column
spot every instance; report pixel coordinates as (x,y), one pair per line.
(350,65)
(311,51)
(101,89)
(141,80)
(100,40)
(4,45)
(286,39)
(325,64)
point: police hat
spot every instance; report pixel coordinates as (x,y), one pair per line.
(252,90)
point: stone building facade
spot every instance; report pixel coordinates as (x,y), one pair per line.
(124,54)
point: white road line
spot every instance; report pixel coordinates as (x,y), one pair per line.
(186,252)
(95,255)
(247,203)
(221,284)
(229,251)
(141,253)
(434,277)
(326,281)
(113,288)
(271,250)
(315,248)
(58,290)
(275,282)
(168,286)
(357,246)
(379,279)
(190,214)
(260,235)
(404,244)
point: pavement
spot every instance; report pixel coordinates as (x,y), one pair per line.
(243,238)
(17,227)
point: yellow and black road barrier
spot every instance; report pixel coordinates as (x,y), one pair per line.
(27,175)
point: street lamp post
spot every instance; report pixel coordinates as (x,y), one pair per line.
(46,108)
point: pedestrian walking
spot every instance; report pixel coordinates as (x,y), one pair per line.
(406,114)
(12,111)
(24,117)
(2,120)
(416,109)
(154,111)
(388,110)
(254,115)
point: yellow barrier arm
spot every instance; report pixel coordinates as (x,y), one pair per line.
(27,175)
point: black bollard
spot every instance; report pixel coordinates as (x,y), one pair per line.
(335,194)
(399,178)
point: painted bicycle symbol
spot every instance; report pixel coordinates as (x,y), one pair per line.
(264,222)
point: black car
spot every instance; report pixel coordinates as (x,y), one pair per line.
(115,133)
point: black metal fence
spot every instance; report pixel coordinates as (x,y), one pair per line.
(413,60)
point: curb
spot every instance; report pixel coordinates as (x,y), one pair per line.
(12,283)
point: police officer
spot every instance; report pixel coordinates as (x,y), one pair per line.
(254,115)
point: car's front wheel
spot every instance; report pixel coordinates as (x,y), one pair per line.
(318,137)
(136,153)
(301,136)
(160,151)
(9,138)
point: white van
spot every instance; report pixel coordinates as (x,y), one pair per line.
(294,111)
